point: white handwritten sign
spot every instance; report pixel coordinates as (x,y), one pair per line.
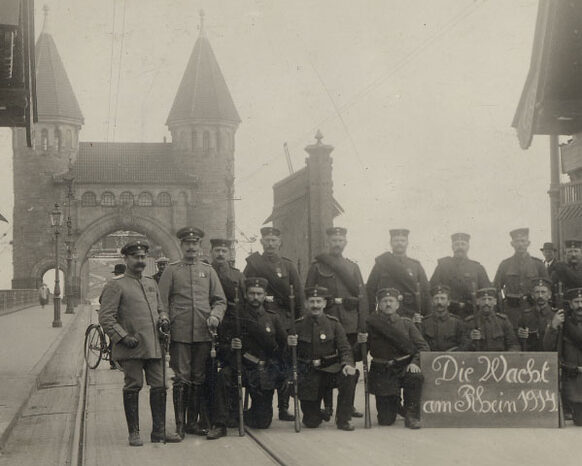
(490,389)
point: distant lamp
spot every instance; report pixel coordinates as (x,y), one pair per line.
(56,216)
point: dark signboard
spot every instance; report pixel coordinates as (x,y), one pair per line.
(490,389)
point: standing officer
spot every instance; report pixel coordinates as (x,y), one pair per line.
(230,278)
(533,321)
(130,313)
(462,275)
(396,270)
(262,344)
(279,272)
(571,351)
(191,291)
(569,272)
(442,330)
(488,330)
(515,274)
(395,345)
(161,264)
(325,361)
(347,300)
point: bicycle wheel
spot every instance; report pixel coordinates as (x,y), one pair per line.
(93,345)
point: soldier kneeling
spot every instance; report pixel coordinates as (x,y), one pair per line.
(395,344)
(325,361)
(262,343)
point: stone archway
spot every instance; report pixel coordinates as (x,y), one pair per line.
(45,264)
(103,226)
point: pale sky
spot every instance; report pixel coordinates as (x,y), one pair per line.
(416,96)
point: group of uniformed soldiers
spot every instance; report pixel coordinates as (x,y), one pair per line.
(212,311)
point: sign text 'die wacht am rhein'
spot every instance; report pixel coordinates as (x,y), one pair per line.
(490,389)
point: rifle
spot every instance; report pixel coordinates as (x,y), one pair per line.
(295,393)
(417,296)
(213,367)
(364,349)
(475,312)
(164,342)
(560,305)
(241,424)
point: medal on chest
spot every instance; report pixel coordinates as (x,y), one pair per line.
(279,272)
(410,272)
(268,329)
(322,337)
(202,275)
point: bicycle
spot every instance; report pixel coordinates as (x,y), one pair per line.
(97,346)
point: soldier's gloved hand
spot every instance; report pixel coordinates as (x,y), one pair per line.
(348,370)
(164,324)
(236,344)
(523,333)
(212,322)
(558,319)
(413,368)
(475,334)
(417,318)
(292,340)
(362,337)
(129,341)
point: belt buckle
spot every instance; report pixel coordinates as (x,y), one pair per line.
(316,362)
(269,299)
(338,300)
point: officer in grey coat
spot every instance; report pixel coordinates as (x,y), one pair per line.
(190,289)
(130,314)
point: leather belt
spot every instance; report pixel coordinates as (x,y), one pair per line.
(253,359)
(390,362)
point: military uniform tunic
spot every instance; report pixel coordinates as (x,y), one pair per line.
(568,274)
(460,275)
(514,276)
(536,320)
(402,273)
(264,342)
(322,350)
(497,333)
(280,272)
(343,279)
(191,292)
(443,332)
(130,305)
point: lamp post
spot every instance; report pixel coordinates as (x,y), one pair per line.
(75,291)
(56,222)
(69,250)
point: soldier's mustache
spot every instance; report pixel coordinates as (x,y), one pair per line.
(140,265)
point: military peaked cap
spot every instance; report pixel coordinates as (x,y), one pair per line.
(399,232)
(190,233)
(437,289)
(380,294)
(573,243)
(460,237)
(118,269)
(483,292)
(256,282)
(549,246)
(519,232)
(316,291)
(573,293)
(336,231)
(541,281)
(220,242)
(270,231)
(134,246)
(162,260)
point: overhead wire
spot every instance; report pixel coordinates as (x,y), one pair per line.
(111,72)
(338,110)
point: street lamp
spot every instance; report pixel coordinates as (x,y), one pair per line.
(56,222)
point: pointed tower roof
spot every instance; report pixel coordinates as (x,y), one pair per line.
(55,96)
(203,93)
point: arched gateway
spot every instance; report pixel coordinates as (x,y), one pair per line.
(150,188)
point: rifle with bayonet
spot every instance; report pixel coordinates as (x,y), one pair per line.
(476,343)
(560,305)
(417,298)
(295,392)
(241,425)
(364,349)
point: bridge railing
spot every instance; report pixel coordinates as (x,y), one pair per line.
(15,299)
(571,193)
